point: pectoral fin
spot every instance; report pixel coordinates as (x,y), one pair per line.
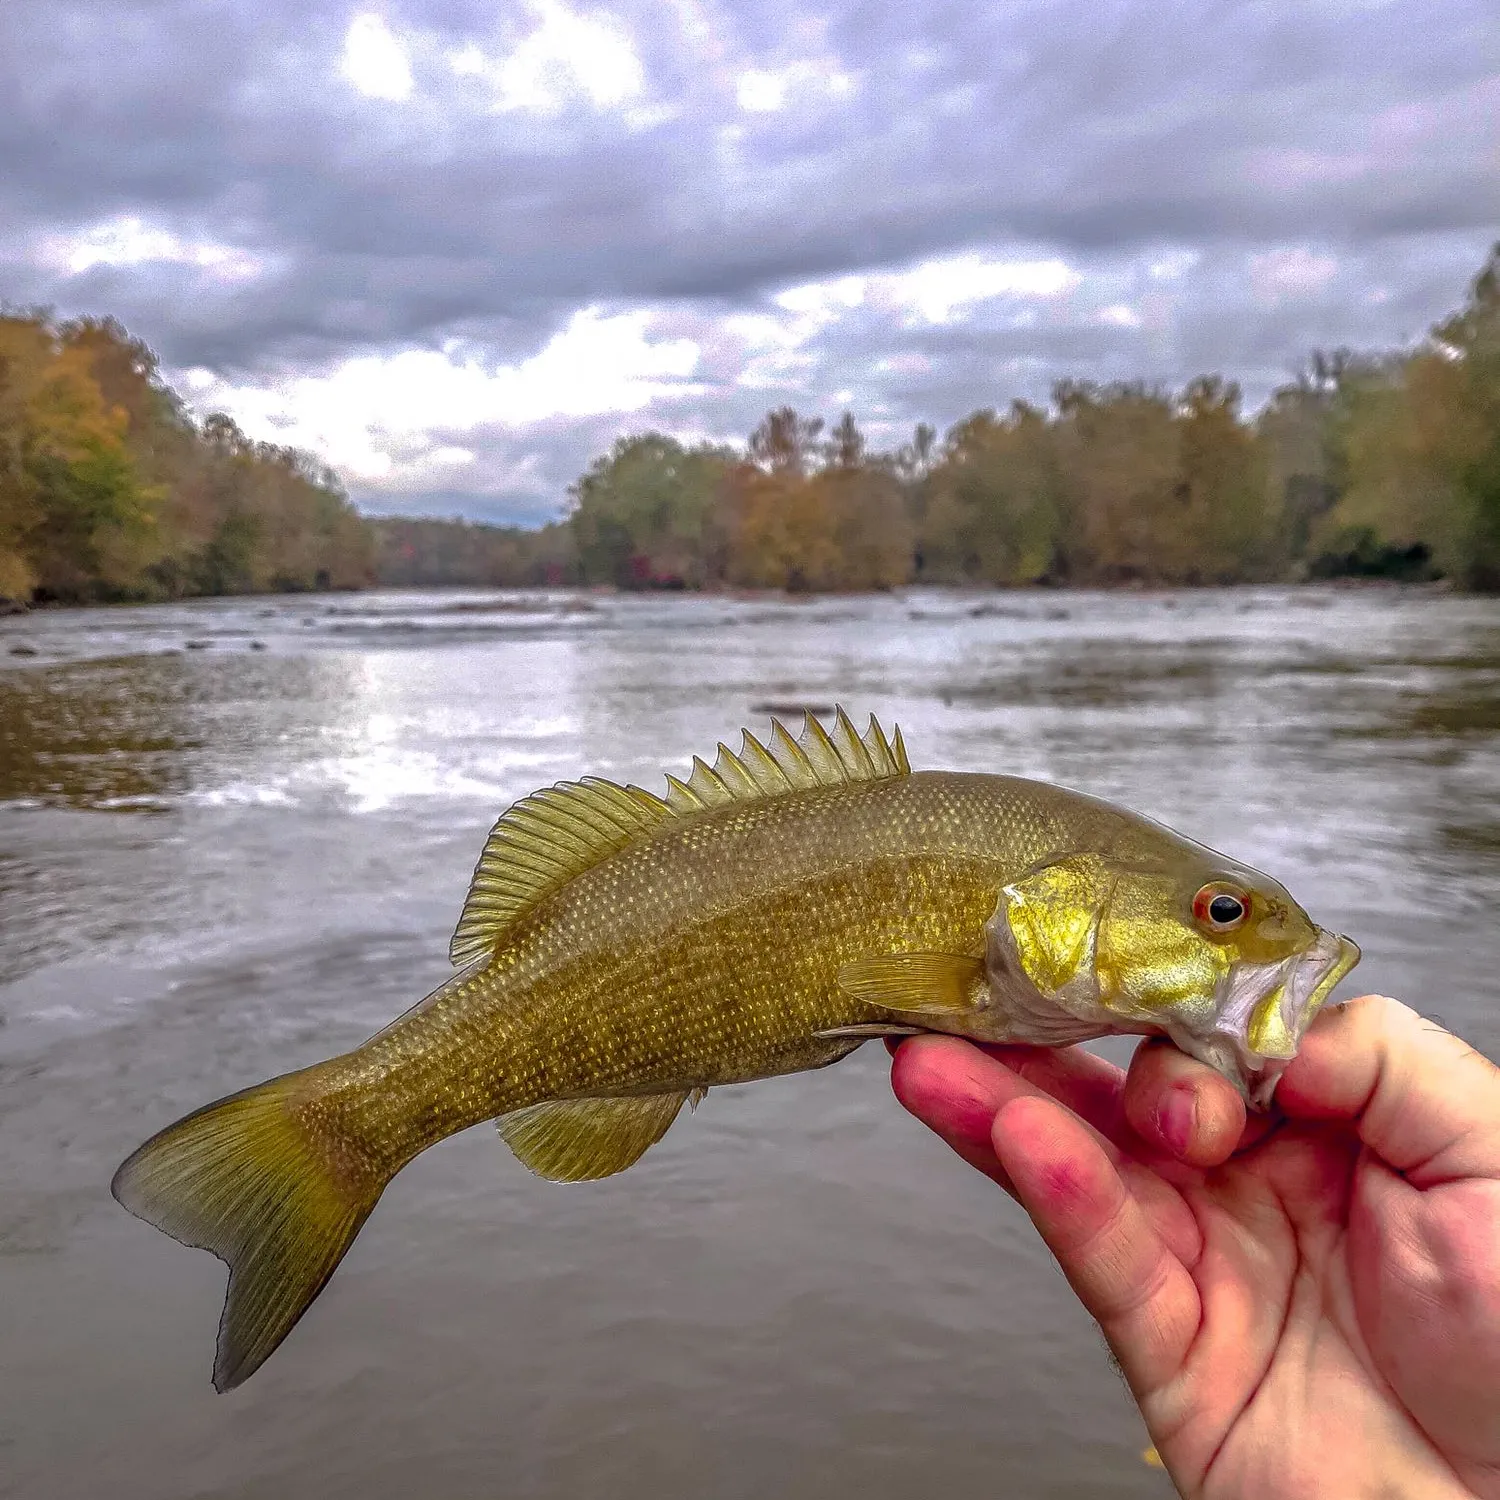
(581,1140)
(868,1030)
(918,984)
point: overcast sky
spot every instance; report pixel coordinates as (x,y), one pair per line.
(456,247)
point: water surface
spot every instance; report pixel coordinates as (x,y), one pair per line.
(234,838)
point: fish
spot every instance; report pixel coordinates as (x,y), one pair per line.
(622,952)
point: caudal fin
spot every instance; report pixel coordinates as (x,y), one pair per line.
(253,1179)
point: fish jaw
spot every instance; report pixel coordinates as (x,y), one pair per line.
(1261,1013)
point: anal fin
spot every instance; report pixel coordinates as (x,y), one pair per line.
(581,1140)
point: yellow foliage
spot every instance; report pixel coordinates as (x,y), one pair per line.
(107,490)
(16,578)
(784,532)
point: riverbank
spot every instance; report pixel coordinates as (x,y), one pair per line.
(10,608)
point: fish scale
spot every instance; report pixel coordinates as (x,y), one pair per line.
(626,952)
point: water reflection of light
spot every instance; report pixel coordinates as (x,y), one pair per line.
(469,724)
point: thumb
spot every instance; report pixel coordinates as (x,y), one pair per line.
(1419,1097)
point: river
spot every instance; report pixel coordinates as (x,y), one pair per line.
(234,838)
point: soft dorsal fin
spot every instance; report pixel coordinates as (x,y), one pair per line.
(539,845)
(553,835)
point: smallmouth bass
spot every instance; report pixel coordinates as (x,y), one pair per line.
(620,953)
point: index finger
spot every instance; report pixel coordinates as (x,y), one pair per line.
(1117,1260)
(1421,1098)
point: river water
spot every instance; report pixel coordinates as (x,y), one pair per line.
(235,835)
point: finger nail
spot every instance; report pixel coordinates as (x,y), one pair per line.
(1176,1118)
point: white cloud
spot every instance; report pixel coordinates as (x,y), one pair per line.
(1120,315)
(1174,264)
(761,92)
(374,61)
(1291,271)
(937,289)
(820,300)
(377,418)
(766,90)
(130,241)
(934,291)
(907,363)
(774,348)
(567,55)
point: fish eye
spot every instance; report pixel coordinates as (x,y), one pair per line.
(1221,908)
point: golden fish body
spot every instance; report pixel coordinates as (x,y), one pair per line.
(625,952)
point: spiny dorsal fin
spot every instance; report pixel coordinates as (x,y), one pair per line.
(815,759)
(546,839)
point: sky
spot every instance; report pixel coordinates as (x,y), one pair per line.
(458,248)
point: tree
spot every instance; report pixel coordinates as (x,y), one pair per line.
(1118,460)
(109,490)
(846,444)
(75,503)
(783,531)
(992,511)
(1222,487)
(647,514)
(1465,389)
(1302,431)
(785,443)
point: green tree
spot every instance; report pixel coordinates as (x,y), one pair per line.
(647,514)
(74,507)
(1222,523)
(1303,435)
(872,530)
(1119,467)
(992,501)
(1458,399)
(785,443)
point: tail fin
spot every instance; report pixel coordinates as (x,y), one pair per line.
(270,1193)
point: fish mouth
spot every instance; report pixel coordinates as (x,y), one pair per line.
(1262,1012)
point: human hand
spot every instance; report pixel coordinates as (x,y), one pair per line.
(1304,1304)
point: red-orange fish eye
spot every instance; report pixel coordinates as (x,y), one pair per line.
(1220,907)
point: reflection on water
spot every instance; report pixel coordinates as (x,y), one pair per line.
(797,1293)
(136,732)
(1476,711)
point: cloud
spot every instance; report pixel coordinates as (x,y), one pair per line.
(392,422)
(374,61)
(566,56)
(928,207)
(767,90)
(129,241)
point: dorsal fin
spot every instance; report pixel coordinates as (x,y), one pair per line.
(539,845)
(546,839)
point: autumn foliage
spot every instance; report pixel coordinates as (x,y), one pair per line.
(1382,465)
(1386,466)
(110,490)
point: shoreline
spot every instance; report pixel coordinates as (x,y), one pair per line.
(11,609)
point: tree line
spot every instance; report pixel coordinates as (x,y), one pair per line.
(1377,465)
(111,490)
(1383,465)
